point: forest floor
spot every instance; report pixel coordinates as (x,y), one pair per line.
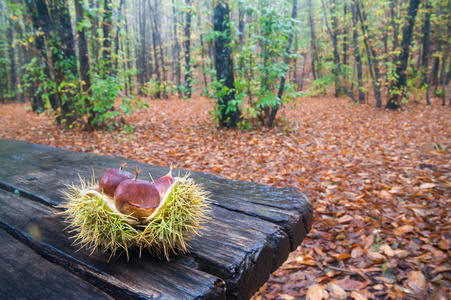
(379,181)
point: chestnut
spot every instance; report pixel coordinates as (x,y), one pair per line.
(137,198)
(164,183)
(112,178)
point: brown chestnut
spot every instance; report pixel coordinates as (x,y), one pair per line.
(164,183)
(112,178)
(137,198)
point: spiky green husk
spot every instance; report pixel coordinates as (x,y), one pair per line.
(94,225)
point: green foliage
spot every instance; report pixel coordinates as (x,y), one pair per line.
(259,61)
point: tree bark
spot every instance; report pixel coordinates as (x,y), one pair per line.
(155,55)
(336,54)
(65,59)
(176,52)
(106,26)
(357,55)
(94,6)
(372,58)
(160,46)
(188,75)
(228,117)
(314,50)
(425,54)
(334,34)
(275,108)
(12,60)
(398,87)
(85,75)
(116,38)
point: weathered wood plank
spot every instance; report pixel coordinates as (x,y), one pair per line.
(286,207)
(26,275)
(238,255)
(39,228)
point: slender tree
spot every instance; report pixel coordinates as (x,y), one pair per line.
(425,54)
(399,86)
(336,54)
(106,26)
(357,55)
(275,108)
(228,116)
(188,75)
(314,50)
(371,56)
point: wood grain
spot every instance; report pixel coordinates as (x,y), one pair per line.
(252,231)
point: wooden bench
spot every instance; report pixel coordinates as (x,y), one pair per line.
(252,231)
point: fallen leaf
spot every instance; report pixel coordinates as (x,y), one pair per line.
(401,253)
(444,244)
(375,256)
(403,230)
(358,296)
(416,281)
(357,252)
(286,297)
(345,219)
(387,250)
(337,290)
(426,186)
(341,256)
(317,292)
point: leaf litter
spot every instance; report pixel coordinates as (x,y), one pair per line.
(379,181)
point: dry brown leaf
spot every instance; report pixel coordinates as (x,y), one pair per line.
(337,290)
(416,281)
(345,219)
(317,292)
(403,230)
(401,253)
(375,256)
(357,252)
(444,244)
(286,297)
(426,186)
(358,296)
(341,256)
(387,250)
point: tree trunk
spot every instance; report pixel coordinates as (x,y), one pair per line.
(345,36)
(116,38)
(425,56)
(202,53)
(94,6)
(188,75)
(65,59)
(176,52)
(84,60)
(155,56)
(12,62)
(398,87)
(358,58)
(37,101)
(336,54)
(129,63)
(228,116)
(275,108)
(334,34)
(372,57)
(160,46)
(314,50)
(446,56)
(106,26)
(295,69)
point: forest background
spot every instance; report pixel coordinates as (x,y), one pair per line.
(81,74)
